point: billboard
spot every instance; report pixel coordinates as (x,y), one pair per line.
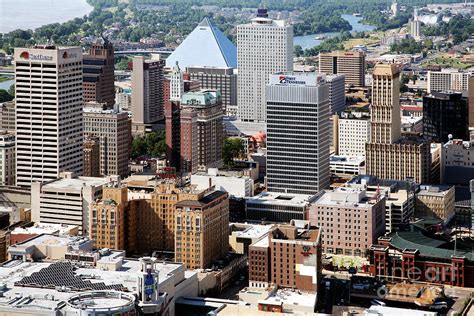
(302,79)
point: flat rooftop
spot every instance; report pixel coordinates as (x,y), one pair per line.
(289,297)
(75,184)
(345,196)
(392,311)
(51,241)
(44,228)
(273,198)
(434,190)
(253,231)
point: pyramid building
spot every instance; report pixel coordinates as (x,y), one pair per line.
(205,46)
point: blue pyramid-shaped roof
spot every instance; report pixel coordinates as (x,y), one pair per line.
(207,46)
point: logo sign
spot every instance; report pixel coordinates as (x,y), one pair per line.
(290,80)
(67,55)
(38,57)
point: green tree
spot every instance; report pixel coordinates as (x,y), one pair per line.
(11,90)
(5,96)
(298,51)
(233,148)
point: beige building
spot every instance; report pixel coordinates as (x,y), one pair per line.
(351,64)
(353,134)
(8,116)
(91,152)
(113,130)
(435,201)
(148,105)
(48,87)
(7,159)
(350,220)
(202,230)
(448,80)
(388,155)
(107,218)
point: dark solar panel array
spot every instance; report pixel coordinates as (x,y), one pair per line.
(61,274)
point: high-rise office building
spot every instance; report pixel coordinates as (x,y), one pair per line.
(337,94)
(351,64)
(7,159)
(207,221)
(147,94)
(91,156)
(388,155)
(207,106)
(98,73)
(448,80)
(353,134)
(217,78)
(415,29)
(297,133)
(113,130)
(446,113)
(48,112)
(264,47)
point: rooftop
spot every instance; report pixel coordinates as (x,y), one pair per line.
(253,231)
(273,198)
(43,228)
(434,190)
(289,297)
(219,50)
(346,196)
(75,184)
(392,311)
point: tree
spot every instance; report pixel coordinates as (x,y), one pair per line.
(11,90)
(233,148)
(298,51)
(5,96)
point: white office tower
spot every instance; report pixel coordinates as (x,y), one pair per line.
(264,47)
(48,112)
(176,84)
(298,133)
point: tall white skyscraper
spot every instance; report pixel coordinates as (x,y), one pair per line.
(176,84)
(48,112)
(298,131)
(264,47)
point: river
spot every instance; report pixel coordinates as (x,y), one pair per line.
(309,41)
(5,85)
(30,14)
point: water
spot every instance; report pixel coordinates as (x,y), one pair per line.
(5,85)
(30,14)
(309,41)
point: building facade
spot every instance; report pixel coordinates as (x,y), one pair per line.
(289,257)
(444,114)
(353,134)
(8,116)
(337,96)
(350,220)
(202,230)
(215,78)
(264,47)
(98,79)
(456,165)
(388,155)
(91,156)
(435,201)
(7,159)
(113,130)
(297,133)
(349,64)
(147,94)
(48,112)
(448,80)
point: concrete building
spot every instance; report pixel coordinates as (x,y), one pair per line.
(113,129)
(20,234)
(7,159)
(278,207)
(98,78)
(456,165)
(435,201)
(298,132)
(337,96)
(264,47)
(207,220)
(91,156)
(446,113)
(347,165)
(288,257)
(8,116)
(48,112)
(235,186)
(353,134)
(388,155)
(147,94)
(241,236)
(66,200)
(222,79)
(107,218)
(350,64)
(206,107)
(351,221)
(415,29)
(448,80)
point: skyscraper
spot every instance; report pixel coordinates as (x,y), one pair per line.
(147,94)
(264,47)
(350,64)
(297,133)
(388,155)
(98,73)
(49,112)
(337,95)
